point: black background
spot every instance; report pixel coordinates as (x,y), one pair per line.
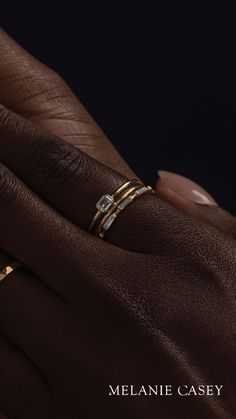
(159,79)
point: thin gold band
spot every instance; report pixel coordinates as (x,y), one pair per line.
(9,269)
(124,186)
(113,196)
(114,206)
(119,208)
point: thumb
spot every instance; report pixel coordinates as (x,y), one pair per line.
(190,198)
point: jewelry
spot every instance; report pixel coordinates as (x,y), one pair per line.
(106,218)
(107,201)
(9,269)
(118,207)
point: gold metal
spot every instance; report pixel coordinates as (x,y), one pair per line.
(9,269)
(114,195)
(114,206)
(115,211)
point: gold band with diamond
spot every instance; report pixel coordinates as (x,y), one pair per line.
(106,218)
(107,201)
(119,206)
(9,269)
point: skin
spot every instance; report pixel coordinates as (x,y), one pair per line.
(86,312)
(37,93)
(40,95)
(213,215)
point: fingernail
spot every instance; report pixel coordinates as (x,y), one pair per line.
(185,188)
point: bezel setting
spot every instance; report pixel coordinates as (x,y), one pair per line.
(105,203)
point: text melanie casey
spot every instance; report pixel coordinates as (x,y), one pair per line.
(165,390)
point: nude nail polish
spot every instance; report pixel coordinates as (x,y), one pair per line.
(185,188)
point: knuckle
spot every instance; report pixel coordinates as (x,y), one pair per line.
(54,84)
(52,75)
(46,87)
(52,163)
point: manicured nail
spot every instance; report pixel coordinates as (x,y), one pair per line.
(185,188)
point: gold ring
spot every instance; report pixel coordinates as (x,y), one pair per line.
(106,201)
(108,220)
(109,206)
(9,269)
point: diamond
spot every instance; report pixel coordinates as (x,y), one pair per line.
(140,191)
(124,203)
(109,221)
(105,203)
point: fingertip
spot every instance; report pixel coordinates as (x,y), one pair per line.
(183,188)
(185,195)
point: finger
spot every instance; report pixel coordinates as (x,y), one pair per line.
(72,182)
(34,91)
(22,387)
(70,261)
(52,247)
(190,198)
(22,298)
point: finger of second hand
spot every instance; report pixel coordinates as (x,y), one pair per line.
(31,315)
(61,254)
(22,386)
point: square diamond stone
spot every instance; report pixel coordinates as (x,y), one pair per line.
(105,203)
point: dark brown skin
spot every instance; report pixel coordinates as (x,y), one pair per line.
(155,303)
(37,93)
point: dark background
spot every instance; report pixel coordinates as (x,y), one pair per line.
(159,79)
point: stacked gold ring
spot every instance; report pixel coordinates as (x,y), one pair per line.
(110,206)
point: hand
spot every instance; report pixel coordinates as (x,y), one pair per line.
(192,199)
(38,94)
(155,303)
